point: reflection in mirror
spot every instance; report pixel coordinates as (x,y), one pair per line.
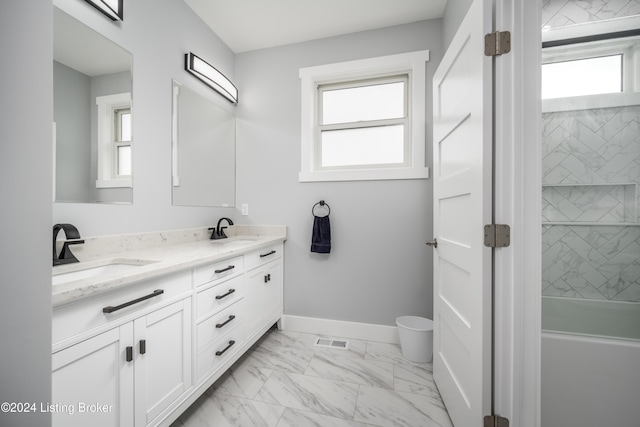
(92,114)
(203,151)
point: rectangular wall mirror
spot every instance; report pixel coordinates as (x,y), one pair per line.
(93,115)
(203,151)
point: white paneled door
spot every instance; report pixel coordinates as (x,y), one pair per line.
(462,113)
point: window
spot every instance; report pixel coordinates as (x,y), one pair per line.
(364,119)
(599,73)
(122,142)
(363,124)
(114,141)
(578,77)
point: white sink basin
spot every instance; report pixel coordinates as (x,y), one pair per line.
(71,273)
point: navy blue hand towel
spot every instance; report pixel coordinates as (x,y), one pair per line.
(321,235)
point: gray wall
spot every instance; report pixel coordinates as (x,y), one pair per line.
(72,107)
(26,191)
(454,13)
(379,266)
(158,33)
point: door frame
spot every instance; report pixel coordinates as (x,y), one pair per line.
(517,193)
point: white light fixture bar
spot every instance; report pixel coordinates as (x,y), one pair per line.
(111,8)
(210,76)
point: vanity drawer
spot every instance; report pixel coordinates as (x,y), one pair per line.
(216,326)
(219,296)
(263,256)
(211,357)
(220,270)
(76,318)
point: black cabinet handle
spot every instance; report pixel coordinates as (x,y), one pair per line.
(225,295)
(143,346)
(221,352)
(111,309)
(267,254)
(221,325)
(231,267)
(129,357)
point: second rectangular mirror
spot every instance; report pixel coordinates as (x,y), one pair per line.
(203,151)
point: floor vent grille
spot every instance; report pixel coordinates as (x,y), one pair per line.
(331,343)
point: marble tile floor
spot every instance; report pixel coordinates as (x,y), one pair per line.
(285,380)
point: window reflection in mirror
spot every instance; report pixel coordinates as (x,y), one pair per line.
(203,150)
(92,94)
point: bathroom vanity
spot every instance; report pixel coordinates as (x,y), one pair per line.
(146,323)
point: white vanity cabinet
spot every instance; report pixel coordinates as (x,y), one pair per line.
(135,366)
(141,355)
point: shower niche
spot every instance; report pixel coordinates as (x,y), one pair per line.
(590,204)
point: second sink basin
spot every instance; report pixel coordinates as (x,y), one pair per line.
(71,273)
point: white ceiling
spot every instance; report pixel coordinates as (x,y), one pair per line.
(246,25)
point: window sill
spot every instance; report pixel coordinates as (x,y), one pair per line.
(588,102)
(114,183)
(364,175)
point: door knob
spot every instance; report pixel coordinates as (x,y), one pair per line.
(433,243)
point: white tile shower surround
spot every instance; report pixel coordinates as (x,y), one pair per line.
(591,171)
(287,381)
(558,13)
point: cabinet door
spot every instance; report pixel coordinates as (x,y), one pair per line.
(253,299)
(93,382)
(272,296)
(162,360)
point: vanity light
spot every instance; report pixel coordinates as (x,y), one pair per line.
(210,76)
(111,8)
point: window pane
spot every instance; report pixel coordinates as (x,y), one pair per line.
(124,160)
(125,126)
(582,77)
(375,102)
(363,146)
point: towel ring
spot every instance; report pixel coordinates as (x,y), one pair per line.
(321,203)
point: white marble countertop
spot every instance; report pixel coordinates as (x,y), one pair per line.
(159,253)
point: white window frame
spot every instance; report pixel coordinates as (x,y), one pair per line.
(629,48)
(107,173)
(412,64)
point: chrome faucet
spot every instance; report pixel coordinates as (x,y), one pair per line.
(73,238)
(218,232)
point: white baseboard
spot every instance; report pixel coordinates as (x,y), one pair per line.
(341,329)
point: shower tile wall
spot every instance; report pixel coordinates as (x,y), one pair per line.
(558,13)
(591,171)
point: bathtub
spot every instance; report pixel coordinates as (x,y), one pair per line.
(590,363)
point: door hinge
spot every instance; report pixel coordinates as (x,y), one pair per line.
(495,421)
(497,43)
(497,235)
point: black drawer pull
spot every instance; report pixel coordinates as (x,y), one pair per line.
(267,254)
(143,346)
(231,267)
(221,325)
(129,354)
(221,352)
(111,309)
(225,295)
